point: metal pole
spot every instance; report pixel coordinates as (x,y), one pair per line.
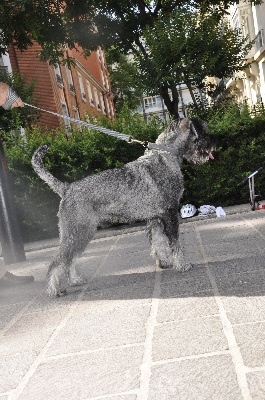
(10,236)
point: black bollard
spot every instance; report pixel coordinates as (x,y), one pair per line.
(10,236)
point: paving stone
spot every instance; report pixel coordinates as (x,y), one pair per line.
(31,342)
(21,294)
(237,265)
(242,284)
(184,286)
(256,381)
(122,296)
(45,303)
(13,368)
(183,307)
(245,309)
(251,341)
(112,281)
(206,378)
(38,321)
(86,376)
(8,312)
(171,275)
(128,262)
(188,337)
(108,328)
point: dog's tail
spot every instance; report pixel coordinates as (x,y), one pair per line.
(37,163)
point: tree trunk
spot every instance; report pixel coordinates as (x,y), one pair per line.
(192,94)
(172,105)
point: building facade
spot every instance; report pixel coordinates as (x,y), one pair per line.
(249,85)
(153,106)
(77,91)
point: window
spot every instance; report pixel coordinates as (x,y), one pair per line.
(89,91)
(96,98)
(65,113)
(150,102)
(3,69)
(77,116)
(259,40)
(102,103)
(82,90)
(58,75)
(70,79)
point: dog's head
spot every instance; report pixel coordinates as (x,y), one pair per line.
(190,137)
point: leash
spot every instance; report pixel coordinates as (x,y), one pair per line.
(118,135)
(110,132)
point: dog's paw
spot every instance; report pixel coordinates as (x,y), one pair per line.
(54,293)
(77,281)
(183,267)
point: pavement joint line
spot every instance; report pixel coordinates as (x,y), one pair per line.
(187,319)
(235,353)
(255,369)
(250,323)
(41,356)
(145,376)
(193,357)
(133,392)
(232,256)
(98,349)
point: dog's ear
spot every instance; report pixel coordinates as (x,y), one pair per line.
(185,126)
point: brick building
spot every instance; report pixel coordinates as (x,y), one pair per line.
(78,91)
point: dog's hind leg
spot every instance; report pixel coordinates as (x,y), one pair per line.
(163,234)
(72,242)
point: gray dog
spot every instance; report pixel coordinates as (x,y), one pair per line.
(148,188)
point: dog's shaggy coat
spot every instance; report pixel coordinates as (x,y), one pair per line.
(148,188)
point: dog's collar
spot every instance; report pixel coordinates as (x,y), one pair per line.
(154,146)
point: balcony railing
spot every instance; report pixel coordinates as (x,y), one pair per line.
(72,88)
(59,79)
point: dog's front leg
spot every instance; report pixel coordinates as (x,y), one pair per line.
(163,234)
(74,277)
(54,274)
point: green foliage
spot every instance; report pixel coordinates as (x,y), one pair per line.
(177,49)
(12,120)
(69,160)
(240,136)
(89,23)
(123,75)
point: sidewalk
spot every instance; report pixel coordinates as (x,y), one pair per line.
(137,333)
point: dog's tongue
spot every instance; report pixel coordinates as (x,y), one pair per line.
(211,156)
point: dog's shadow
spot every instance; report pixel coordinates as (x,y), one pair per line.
(240,277)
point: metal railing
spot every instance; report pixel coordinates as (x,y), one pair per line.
(59,79)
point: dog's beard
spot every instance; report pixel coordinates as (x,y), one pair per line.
(199,157)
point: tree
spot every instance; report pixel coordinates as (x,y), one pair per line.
(122,25)
(123,77)
(89,23)
(179,49)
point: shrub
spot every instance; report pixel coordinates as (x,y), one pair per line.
(69,159)
(240,136)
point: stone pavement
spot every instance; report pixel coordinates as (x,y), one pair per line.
(138,333)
